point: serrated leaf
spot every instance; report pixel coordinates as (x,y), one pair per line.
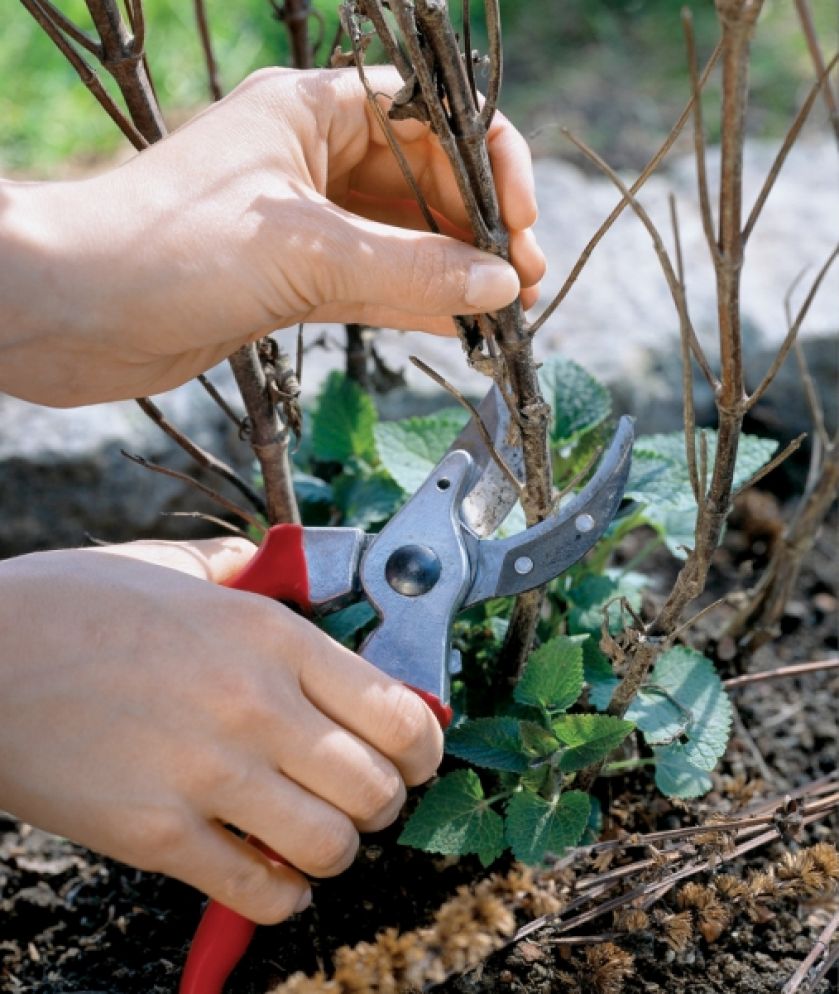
(675,776)
(453,818)
(591,595)
(684,699)
(589,738)
(537,740)
(535,827)
(342,426)
(659,474)
(553,676)
(494,743)
(366,497)
(343,625)
(677,527)
(579,401)
(409,449)
(599,675)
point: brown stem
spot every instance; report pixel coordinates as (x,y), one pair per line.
(295,15)
(207,48)
(807,26)
(756,623)
(819,949)
(214,495)
(124,61)
(269,437)
(85,72)
(782,672)
(205,459)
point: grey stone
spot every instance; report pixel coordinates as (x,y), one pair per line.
(62,475)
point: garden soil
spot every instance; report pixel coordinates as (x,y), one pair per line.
(71,921)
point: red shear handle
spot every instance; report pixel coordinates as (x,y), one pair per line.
(278,570)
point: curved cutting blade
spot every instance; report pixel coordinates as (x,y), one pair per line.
(538,554)
(491,494)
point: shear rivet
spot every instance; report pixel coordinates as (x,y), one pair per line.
(584,522)
(413,570)
(523,565)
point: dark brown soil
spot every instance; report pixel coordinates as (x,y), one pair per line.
(73,922)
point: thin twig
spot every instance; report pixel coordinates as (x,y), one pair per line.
(201,456)
(70,28)
(466,21)
(688,411)
(696,617)
(207,48)
(617,210)
(788,142)
(820,947)
(830,961)
(351,27)
(86,74)
(778,361)
(781,672)
(493,26)
(579,475)
(476,418)
(211,518)
(803,8)
(214,392)
(192,482)
(773,464)
(699,136)
(660,250)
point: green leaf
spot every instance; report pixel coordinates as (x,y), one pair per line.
(675,776)
(311,489)
(589,597)
(684,703)
(579,401)
(553,676)
(675,525)
(494,743)
(411,448)
(537,740)
(453,818)
(589,737)
(659,475)
(342,426)
(599,675)
(366,497)
(343,625)
(535,827)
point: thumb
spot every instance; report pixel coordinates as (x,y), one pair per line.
(363,263)
(213,559)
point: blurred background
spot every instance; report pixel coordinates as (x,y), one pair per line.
(611,70)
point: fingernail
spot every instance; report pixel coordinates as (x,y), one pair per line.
(491,285)
(304,902)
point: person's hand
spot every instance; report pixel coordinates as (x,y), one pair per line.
(283,203)
(142,709)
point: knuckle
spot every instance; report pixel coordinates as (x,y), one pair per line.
(407,729)
(379,797)
(333,846)
(250,885)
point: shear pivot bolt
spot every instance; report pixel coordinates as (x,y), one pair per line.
(413,570)
(523,565)
(584,522)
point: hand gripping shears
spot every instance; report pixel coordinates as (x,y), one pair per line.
(433,559)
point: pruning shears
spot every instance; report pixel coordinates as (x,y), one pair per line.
(433,559)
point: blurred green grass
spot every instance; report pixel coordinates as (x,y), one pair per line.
(612,70)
